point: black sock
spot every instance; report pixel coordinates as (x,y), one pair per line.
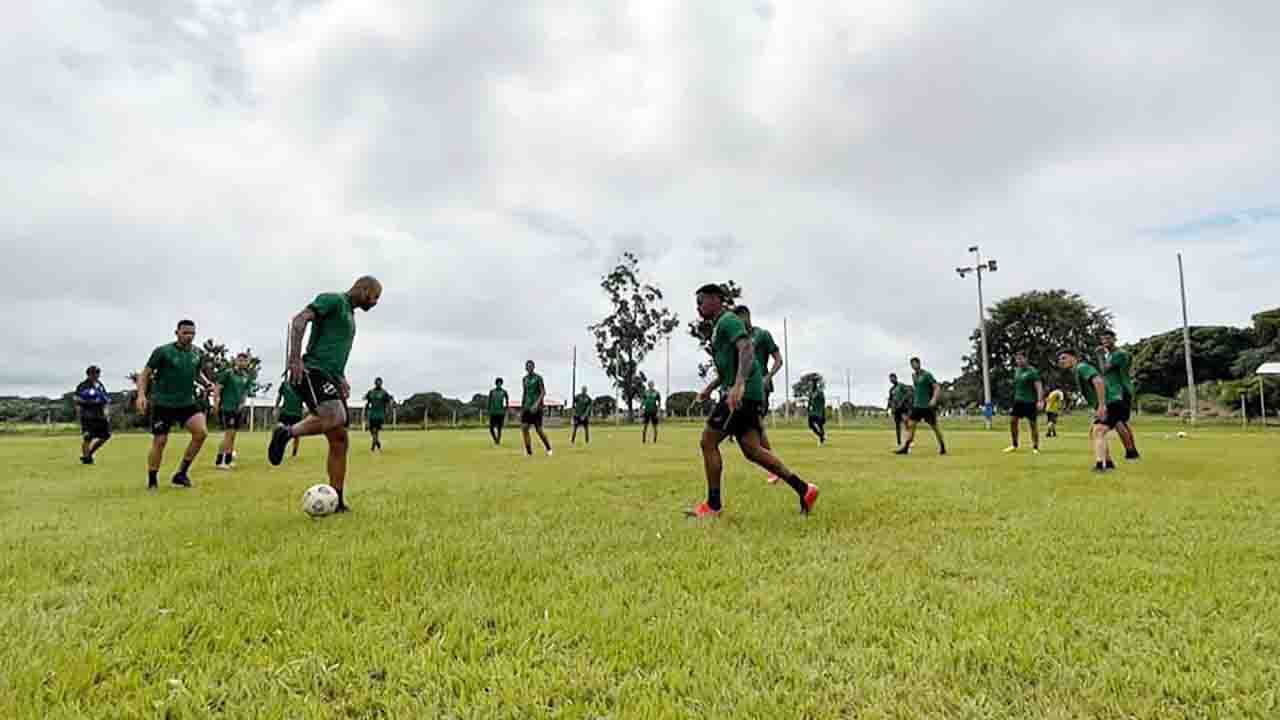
(713,498)
(219,460)
(1110,465)
(184,467)
(341,502)
(801,487)
(151,476)
(1098,466)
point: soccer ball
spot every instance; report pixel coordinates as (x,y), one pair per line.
(319,500)
(1181,435)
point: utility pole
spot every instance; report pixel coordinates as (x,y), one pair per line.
(979,267)
(786,366)
(1186,345)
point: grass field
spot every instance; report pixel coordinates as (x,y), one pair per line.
(473,582)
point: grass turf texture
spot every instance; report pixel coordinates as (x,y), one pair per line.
(475,582)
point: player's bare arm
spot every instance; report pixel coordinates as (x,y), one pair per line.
(746,357)
(298,328)
(144,382)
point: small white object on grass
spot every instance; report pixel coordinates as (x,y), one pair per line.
(319,500)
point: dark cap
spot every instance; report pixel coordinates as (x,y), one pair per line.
(713,289)
(92,369)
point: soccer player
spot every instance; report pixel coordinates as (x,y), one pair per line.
(766,351)
(1100,396)
(92,406)
(924,407)
(376,402)
(1053,406)
(1028,401)
(738,412)
(649,402)
(818,415)
(531,406)
(1116,366)
(581,416)
(230,390)
(171,374)
(289,403)
(319,376)
(497,411)
(899,404)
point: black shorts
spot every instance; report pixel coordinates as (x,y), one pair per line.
(290,419)
(764,409)
(1051,417)
(497,421)
(900,414)
(95,428)
(375,424)
(926,415)
(1024,410)
(581,421)
(651,418)
(163,418)
(818,419)
(230,420)
(737,424)
(531,417)
(1117,412)
(318,387)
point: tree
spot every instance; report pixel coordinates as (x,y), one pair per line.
(681,403)
(604,406)
(807,385)
(1159,361)
(700,328)
(627,335)
(1038,323)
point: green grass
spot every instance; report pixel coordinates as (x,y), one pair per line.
(472,582)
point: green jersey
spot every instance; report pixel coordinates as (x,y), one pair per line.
(497,401)
(173,375)
(1117,365)
(924,383)
(764,347)
(290,401)
(1024,385)
(376,402)
(724,350)
(332,333)
(234,388)
(818,404)
(650,401)
(900,395)
(1084,374)
(582,405)
(533,389)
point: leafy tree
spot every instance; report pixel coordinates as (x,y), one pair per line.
(604,406)
(480,402)
(1039,323)
(628,334)
(1159,362)
(700,328)
(681,403)
(807,385)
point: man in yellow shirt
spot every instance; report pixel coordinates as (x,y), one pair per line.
(1052,406)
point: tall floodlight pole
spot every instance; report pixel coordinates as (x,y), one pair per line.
(668,368)
(979,267)
(848,388)
(786,366)
(1186,344)
(573,378)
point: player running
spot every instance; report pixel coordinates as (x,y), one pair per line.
(319,376)
(289,407)
(171,375)
(924,407)
(1028,401)
(531,407)
(738,412)
(230,390)
(766,351)
(497,411)
(1053,406)
(818,414)
(1116,366)
(1100,397)
(649,402)
(582,416)
(899,404)
(376,402)
(93,408)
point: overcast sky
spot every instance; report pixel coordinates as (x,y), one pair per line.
(489,161)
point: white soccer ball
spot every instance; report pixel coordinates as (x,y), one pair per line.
(319,500)
(1181,435)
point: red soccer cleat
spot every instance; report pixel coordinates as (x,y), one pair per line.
(702,510)
(810,499)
